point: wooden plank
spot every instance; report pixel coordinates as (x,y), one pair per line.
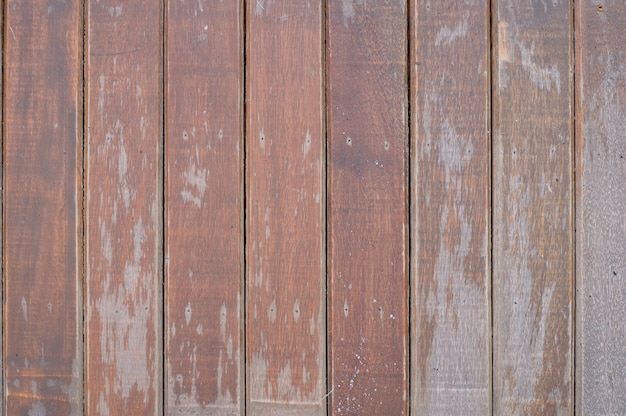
(285,233)
(42,208)
(123,208)
(532,203)
(368,207)
(204,208)
(2,233)
(600,203)
(451,331)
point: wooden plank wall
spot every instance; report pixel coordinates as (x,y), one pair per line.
(311,208)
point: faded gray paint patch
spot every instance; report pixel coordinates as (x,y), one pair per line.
(37,409)
(125,329)
(447,35)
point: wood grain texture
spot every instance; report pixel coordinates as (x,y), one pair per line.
(123,208)
(368,207)
(203,207)
(285,206)
(2,220)
(600,208)
(42,208)
(450,93)
(532,203)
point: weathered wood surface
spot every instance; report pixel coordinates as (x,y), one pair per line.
(532,208)
(42,205)
(203,208)
(450,143)
(2,245)
(368,207)
(601,208)
(273,264)
(123,208)
(285,234)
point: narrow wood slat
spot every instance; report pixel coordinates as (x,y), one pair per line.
(285,205)
(450,93)
(42,208)
(2,221)
(123,208)
(368,204)
(532,202)
(601,208)
(203,208)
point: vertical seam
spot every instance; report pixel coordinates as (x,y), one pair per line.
(573,193)
(408,172)
(3,396)
(84,143)
(324,184)
(490,124)
(162,179)
(243,350)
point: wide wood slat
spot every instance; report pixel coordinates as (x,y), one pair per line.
(601,208)
(532,208)
(42,207)
(450,93)
(203,207)
(368,208)
(285,319)
(123,208)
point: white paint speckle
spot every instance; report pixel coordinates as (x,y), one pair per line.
(25,308)
(195,184)
(229,347)
(306,146)
(188,313)
(101,93)
(296,311)
(115,11)
(223,321)
(271,313)
(267,224)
